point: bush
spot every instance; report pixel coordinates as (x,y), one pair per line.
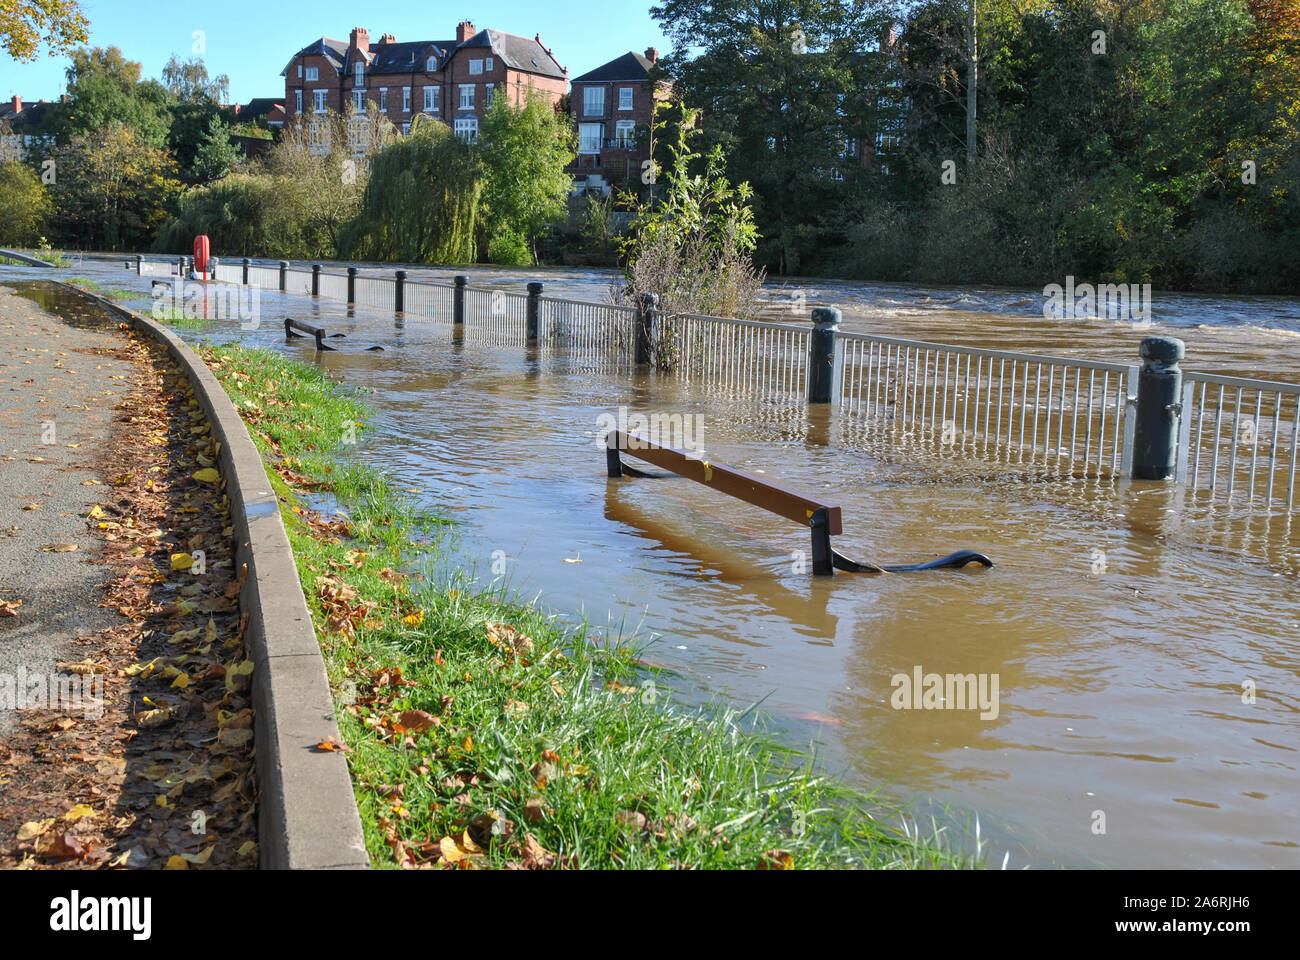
(510,249)
(24,205)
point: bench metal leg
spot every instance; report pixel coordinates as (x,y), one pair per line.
(823,564)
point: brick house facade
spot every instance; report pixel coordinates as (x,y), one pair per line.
(451,80)
(612,109)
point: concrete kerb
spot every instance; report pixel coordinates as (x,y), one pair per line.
(307,813)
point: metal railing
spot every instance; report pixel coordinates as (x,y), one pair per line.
(595,331)
(1238,438)
(1070,415)
(430,301)
(1232,438)
(741,357)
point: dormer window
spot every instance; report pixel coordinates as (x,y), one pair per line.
(431,64)
(361,72)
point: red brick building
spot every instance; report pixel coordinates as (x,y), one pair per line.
(452,80)
(612,108)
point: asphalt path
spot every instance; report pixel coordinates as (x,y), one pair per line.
(58,391)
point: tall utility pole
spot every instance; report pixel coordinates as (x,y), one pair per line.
(972,80)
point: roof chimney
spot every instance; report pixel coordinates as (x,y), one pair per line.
(652,54)
(361,39)
(464,30)
(387,38)
(18,104)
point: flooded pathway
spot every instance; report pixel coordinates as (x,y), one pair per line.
(1126,641)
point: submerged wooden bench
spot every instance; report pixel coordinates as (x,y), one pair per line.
(824,520)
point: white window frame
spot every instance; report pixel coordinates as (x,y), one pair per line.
(297,101)
(406,128)
(487,97)
(470,88)
(625,98)
(318,100)
(383,99)
(313,74)
(593,96)
(359,73)
(487,64)
(591,137)
(300,71)
(432,98)
(625,133)
(475,67)
(467,129)
(406,99)
(358,101)
(430,64)
(318,137)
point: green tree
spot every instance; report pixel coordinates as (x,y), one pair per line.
(691,244)
(104,88)
(322,165)
(524,151)
(111,190)
(27,24)
(188,81)
(24,205)
(423,201)
(784,85)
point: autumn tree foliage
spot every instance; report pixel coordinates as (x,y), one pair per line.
(27,25)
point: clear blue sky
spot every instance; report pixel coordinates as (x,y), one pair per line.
(252,41)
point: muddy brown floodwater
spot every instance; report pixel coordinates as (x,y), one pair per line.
(1125,629)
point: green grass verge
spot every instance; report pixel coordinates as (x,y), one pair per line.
(180,320)
(112,293)
(483,733)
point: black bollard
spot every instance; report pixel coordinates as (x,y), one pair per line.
(646,320)
(458,317)
(1159,409)
(824,370)
(534,309)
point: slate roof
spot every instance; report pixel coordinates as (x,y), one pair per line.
(518,53)
(405,57)
(335,50)
(259,107)
(32,115)
(630,66)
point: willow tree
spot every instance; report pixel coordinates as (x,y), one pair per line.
(422,203)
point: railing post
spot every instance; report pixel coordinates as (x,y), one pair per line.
(647,317)
(212,268)
(246,264)
(352,285)
(315,279)
(1159,409)
(534,309)
(139,265)
(399,293)
(458,316)
(284,275)
(825,371)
